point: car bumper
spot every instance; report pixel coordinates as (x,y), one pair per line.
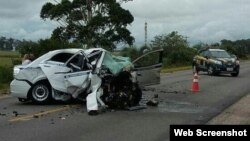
(19,88)
(226,69)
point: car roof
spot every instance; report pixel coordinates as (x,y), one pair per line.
(68,50)
(74,50)
(71,50)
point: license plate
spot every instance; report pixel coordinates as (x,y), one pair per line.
(230,69)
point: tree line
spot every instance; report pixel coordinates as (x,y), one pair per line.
(9,44)
(177,50)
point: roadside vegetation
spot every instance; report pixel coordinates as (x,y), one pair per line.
(102,24)
(177,55)
(7,61)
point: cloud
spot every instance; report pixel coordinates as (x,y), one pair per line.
(205,21)
(201,20)
(21,20)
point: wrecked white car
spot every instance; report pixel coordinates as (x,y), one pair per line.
(94,75)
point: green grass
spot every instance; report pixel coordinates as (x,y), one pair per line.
(4,88)
(7,60)
(245,59)
(9,54)
(174,69)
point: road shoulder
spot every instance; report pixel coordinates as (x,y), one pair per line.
(238,113)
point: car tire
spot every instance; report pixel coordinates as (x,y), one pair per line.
(210,70)
(138,95)
(41,92)
(235,74)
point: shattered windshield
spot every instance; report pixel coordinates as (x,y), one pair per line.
(116,63)
(220,54)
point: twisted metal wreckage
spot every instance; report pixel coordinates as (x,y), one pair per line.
(94,75)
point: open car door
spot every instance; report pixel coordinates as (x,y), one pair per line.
(148,67)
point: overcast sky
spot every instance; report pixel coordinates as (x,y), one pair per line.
(206,21)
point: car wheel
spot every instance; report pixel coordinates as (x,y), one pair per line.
(210,70)
(137,95)
(235,74)
(41,93)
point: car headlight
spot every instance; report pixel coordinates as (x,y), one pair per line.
(16,71)
(218,62)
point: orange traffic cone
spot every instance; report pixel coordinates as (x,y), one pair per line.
(195,85)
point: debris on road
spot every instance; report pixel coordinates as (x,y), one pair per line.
(15,113)
(134,108)
(153,101)
(35,116)
(148,89)
(174,92)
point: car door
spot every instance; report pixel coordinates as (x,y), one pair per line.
(79,78)
(148,66)
(55,72)
(70,76)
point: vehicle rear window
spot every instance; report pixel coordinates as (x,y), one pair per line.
(61,57)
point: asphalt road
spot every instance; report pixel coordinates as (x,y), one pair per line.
(177,105)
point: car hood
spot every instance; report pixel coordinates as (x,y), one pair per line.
(20,66)
(225,60)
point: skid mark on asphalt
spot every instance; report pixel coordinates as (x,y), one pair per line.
(40,114)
